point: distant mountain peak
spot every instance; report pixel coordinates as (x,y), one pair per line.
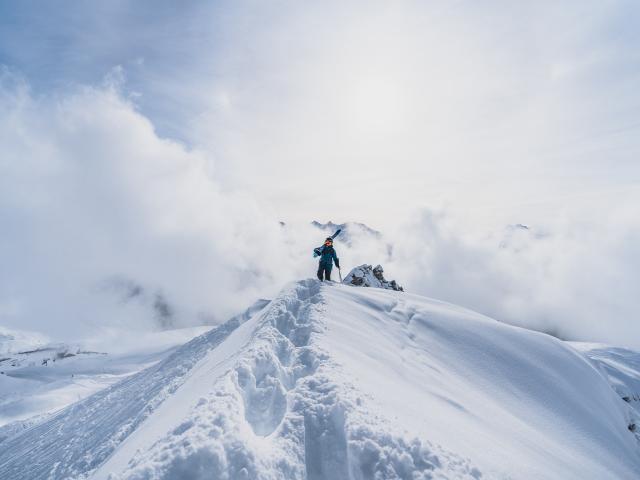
(347,226)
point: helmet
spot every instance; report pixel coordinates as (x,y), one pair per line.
(328,240)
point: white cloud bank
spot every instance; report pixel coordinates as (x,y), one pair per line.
(106,224)
(577,280)
(97,211)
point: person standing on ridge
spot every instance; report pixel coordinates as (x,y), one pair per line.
(327,257)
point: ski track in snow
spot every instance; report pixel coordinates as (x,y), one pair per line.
(80,437)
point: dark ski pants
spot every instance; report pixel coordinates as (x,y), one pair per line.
(326,270)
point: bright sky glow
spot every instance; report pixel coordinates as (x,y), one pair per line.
(478,104)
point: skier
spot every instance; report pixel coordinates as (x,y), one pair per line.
(327,257)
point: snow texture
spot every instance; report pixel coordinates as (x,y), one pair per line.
(367,276)
(38,377)
(621,367)
(79,438)
(329,382)
(280,413)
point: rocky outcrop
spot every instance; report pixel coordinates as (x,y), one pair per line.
(367,276)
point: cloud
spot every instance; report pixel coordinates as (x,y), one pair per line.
(105,223)
(576,280)
(483,108)
(490,109)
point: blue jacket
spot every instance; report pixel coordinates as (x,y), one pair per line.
(329,254)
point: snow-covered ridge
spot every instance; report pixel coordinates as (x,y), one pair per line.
(88,431)
(41,355)
(332,382)
(621,367)
(285,411)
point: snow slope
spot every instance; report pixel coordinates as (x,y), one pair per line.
(336,382)
(620,366)
(519,404)
(39,377)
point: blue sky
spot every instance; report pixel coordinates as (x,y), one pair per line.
(59,45)
(196,126)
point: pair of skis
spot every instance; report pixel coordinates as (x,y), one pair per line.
(318,251)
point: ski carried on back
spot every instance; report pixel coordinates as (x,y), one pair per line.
(318,251)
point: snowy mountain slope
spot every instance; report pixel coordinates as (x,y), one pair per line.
(337,382)
(79,438)
(38,377)
(621,366)
(519,404)
(276,406)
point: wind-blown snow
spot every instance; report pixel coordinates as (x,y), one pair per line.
(334,382)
